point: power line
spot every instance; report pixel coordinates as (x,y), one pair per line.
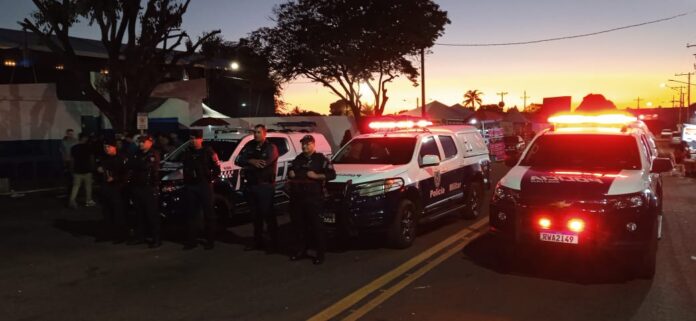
(564,37)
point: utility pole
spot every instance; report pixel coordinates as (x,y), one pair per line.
(524,99)
(422,54)
(502,95)
(673,101)
(637,100)
(688,92)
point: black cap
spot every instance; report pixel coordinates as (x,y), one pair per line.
(110,141)
(196,133)
(307,139)
(143,138)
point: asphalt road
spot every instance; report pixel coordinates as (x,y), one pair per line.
(54,267)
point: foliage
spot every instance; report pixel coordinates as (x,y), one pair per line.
(472,97)
(343,44)
(139,41)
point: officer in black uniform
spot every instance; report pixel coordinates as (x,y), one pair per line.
(259,160)
(143,173)
(308,173)
(113,172)
(201,167)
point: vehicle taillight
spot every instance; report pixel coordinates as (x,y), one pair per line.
(576,225)
(544,223)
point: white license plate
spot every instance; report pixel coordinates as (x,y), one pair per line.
(329,218)
(559,237)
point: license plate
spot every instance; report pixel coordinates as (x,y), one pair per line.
(559,237)
(329,217)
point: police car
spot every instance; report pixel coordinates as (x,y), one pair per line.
(405,174)
(591,182)
(228,143)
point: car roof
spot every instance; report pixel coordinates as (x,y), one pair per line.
(451,129)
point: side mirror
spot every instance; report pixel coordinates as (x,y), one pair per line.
(512,159)
(430,160)
(661,165)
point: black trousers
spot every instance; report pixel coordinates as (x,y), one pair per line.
(113,211)
(145,202)
(305,209)
(260,198)
(199,199)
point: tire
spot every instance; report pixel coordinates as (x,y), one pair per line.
(402,231)
(473,201)
(646,259)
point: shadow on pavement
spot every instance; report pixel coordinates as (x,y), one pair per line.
(579,267)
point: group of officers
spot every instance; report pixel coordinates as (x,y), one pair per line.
(135,180)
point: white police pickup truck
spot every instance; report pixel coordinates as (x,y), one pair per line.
(388,182)
(592,184)
(228,143)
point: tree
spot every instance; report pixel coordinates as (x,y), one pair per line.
(297,111)
(346,44)
(139,43)
(472,97)
(339,108)
(594,103)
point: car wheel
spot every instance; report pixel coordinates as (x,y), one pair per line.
(403,229)
(473,201)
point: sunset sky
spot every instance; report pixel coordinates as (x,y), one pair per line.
(621,65)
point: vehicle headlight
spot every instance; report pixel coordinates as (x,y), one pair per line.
(505,194)
(380,187)
(629,201)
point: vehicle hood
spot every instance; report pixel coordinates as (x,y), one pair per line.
(171,171)
(536,183)
(360,173)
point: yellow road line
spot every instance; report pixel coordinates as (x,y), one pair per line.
(355,297)
(360,312)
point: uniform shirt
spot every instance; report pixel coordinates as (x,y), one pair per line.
(143,168)
(83,158)
(265,151)
(317,163)
(114,167)
(200,165)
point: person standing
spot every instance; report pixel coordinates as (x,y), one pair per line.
(259,159)
(201,167)
(112,170)
(82,156)
(66,145)
(143,171)
(307,175)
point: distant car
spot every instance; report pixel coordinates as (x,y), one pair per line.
(666,133)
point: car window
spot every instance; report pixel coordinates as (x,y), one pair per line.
(280,143)
(448,146)
(223,148)
(175,156)
(428,147)
(377,150)
(586,152)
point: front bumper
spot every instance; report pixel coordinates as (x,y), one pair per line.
(356,213)
(606,228)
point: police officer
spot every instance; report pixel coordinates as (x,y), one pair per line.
(112,170)
(201,167)
(259,159)
(143,172)
(307,174)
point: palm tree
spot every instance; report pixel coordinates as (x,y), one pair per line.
(472,97)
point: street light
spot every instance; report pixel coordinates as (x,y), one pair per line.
(234,65)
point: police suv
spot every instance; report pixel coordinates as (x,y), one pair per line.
(228,143)
(590,182)
(408,173)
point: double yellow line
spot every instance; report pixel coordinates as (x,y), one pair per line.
(461,239)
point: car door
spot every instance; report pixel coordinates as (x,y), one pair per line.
(451,169)
(432,192)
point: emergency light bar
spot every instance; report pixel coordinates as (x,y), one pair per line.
(599,122)
(396,125)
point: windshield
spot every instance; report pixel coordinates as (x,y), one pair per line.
(382,150)
(224,149)
(587,152)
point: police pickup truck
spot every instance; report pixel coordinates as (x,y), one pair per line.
(406,174)
(228,143)
(591,182)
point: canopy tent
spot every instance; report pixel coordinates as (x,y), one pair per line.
(439,112)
